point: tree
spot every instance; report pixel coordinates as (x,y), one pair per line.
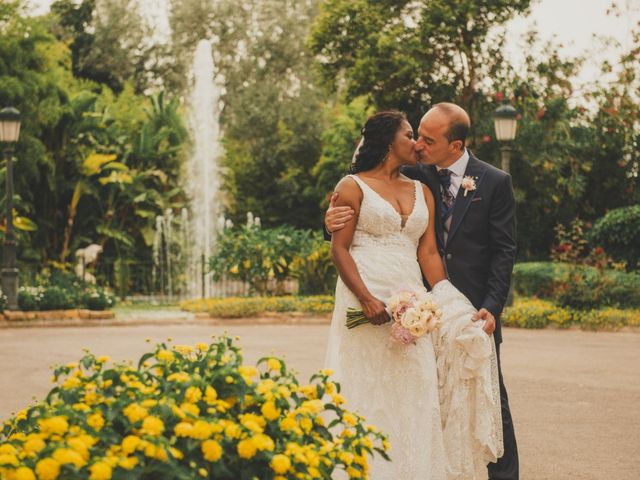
(408,55)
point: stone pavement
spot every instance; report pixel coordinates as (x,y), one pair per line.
(575,396)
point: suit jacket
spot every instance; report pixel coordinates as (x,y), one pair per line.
(481,246)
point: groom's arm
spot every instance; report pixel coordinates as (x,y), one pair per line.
(502,242)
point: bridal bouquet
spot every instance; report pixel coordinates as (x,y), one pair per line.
(414,314)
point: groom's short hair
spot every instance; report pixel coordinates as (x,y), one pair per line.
(459,123)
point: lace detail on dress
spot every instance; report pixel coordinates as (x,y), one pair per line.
(397,389)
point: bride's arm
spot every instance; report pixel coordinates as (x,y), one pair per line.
(351,196)
(428,256)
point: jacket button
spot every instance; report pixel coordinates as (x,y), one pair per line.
(449,256)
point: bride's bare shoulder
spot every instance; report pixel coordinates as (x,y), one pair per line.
(349,192)
(428,195)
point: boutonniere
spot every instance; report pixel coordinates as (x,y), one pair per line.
(469,184)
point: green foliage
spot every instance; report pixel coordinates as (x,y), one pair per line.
(314,268)
(242,307)
(339,141)
(258,256)
(580,286)
(97,299)
(56,298)
(408,55)
(618,232)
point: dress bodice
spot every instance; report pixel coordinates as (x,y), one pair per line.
(380,224)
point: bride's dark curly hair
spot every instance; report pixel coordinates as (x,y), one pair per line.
(378,134)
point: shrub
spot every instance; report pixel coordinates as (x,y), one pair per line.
(618,232)
(536,313)
(537,278)
(97,299)
(236,307)
(256,255)
(578,286)
(314,268)
(188,413)
(29,298)
(56,298)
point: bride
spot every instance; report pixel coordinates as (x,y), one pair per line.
(438,400)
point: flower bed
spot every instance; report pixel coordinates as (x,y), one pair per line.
(187,412)
(237,307)
(537,313)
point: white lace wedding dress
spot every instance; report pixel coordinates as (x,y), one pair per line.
(437,400)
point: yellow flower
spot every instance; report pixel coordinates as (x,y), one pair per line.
(165,356)
(79,446)
(33,445)
(183,349)
(337,399)
(135,412)
(179,377)
(247,373)
(54,425)
(280,463)
(24,473)
(306,424)
(203,347)
(232,430)
(270,411)
(346,458)
(190,408)
(96,421)
(152,426)
(349,419)
(8,449)
(246,449)
(103,359)
(263,442)
(128,463)
(203,472)
(274,364)
(212,451)
(183,429)
(100,471)
(66,455)
(210,395)
(8,459)
(327,372)
(47,469)
(71,382)
(192,395)
(130,444)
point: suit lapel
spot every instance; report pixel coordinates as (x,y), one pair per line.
(476,170)
(431,179)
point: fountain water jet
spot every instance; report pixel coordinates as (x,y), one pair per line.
(203,179)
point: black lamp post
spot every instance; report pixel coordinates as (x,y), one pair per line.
(9,133)
(506,123)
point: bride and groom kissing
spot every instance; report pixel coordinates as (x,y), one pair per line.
(416,212)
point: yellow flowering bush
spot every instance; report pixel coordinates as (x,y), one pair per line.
(236,307)
(187,412)
(538,313)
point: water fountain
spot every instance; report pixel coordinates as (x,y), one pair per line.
(203,179)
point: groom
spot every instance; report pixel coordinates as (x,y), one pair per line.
(475,232)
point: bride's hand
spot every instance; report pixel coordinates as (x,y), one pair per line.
(375,311)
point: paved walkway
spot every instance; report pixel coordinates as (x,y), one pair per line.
(575,396)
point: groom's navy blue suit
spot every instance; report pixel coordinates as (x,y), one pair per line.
(479,254)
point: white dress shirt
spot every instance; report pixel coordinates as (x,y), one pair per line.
(457,172)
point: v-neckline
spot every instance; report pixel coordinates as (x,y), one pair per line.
(415,201)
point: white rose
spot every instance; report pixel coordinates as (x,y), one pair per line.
(409,317)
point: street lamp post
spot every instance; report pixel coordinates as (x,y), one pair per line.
(506,123)
(9,133)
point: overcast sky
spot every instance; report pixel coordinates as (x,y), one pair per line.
(572,22)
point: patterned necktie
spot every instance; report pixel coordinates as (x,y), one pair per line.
(448,200)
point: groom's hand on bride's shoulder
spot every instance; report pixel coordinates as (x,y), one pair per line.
(337,217)
(489,320)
